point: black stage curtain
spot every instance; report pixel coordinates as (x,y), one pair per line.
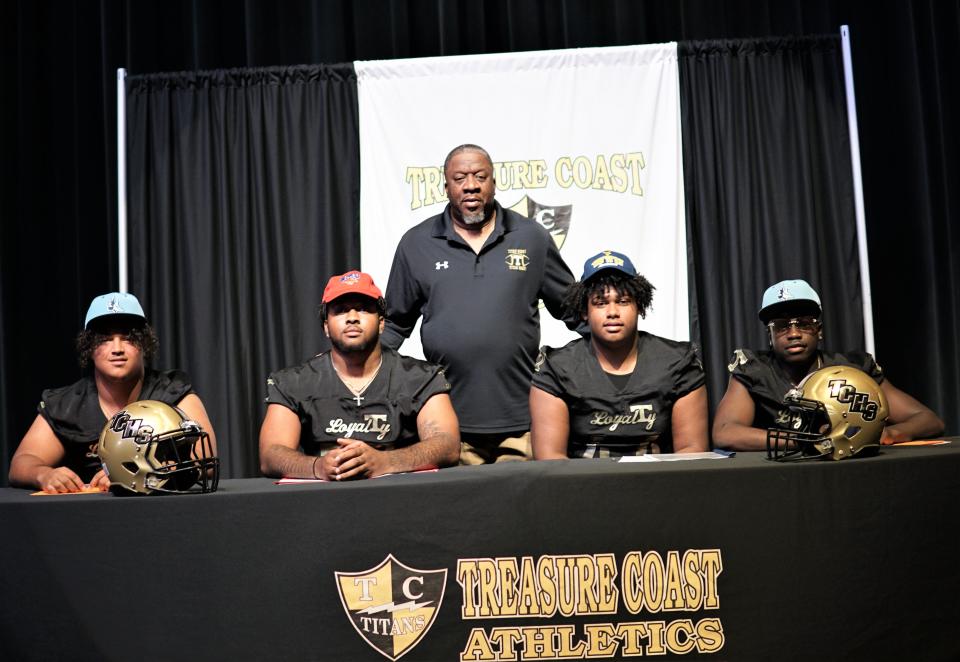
(243,199)
(769,190)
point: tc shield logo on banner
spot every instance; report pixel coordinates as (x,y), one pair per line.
(392,606)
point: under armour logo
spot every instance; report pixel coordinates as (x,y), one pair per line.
(443,265)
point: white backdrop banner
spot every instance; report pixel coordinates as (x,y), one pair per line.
(585,142)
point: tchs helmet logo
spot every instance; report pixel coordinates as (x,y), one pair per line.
(392,606)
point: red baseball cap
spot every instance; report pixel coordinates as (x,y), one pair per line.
(352,282)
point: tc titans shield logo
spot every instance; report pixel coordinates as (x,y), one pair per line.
(392,606)
(556,219)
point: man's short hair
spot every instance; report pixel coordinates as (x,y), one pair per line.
(466,147)
(579,294)
(141,335)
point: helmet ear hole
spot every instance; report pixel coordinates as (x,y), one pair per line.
(131,467)
(851,431)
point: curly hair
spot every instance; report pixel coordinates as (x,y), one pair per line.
(143,336)
(579,294)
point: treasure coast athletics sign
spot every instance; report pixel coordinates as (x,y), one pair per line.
(392,606)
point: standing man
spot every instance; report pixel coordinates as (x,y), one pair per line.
(59,451)
(759,380)
(359,410)
(476,273)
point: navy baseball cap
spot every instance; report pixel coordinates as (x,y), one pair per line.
(607,260)
(795,296)
(114,304)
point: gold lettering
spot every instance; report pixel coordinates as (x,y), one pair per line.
(477,648)
(414,177)
(602,638)
(582,172)
(693,591)
(606,576)
(538,643)
(489,604)
(561,172)
(566,581)
(710,637)
(528,602)
(673,585)
(506,639)
(632,634)
(467,578)
(655,639)
(508,587)
(711,566)
(653,581)
(618,173)
(586,571)
(601,178)
(547,572)
(636,163)
(677,643)
(434,190)
(566,650)
(632,584)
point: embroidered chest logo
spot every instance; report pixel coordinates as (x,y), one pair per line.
(392,606)
(443,265)
(639,415)
(857,402)
(372,424)
(517,259)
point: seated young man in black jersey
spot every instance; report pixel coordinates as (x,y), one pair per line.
(59,451)
(759,380)
(622,391)
(359,410)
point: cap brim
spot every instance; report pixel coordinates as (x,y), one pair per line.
(789,309)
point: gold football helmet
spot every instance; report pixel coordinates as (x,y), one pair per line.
(150,447)
(838,412)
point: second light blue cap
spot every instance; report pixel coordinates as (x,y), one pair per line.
(607,260)
(114,303)
(788,294)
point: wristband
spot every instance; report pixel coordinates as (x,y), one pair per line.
(315,476)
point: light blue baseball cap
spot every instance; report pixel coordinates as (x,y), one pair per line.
(114,303)
(794,295)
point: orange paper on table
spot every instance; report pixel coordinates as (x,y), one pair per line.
(923,442)
(86,490)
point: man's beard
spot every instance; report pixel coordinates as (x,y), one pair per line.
(364,346)
(479,218)
(474,219)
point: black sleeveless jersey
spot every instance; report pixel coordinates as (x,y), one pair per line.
(607,421)
(74,414)
(385,416)
(768,383)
